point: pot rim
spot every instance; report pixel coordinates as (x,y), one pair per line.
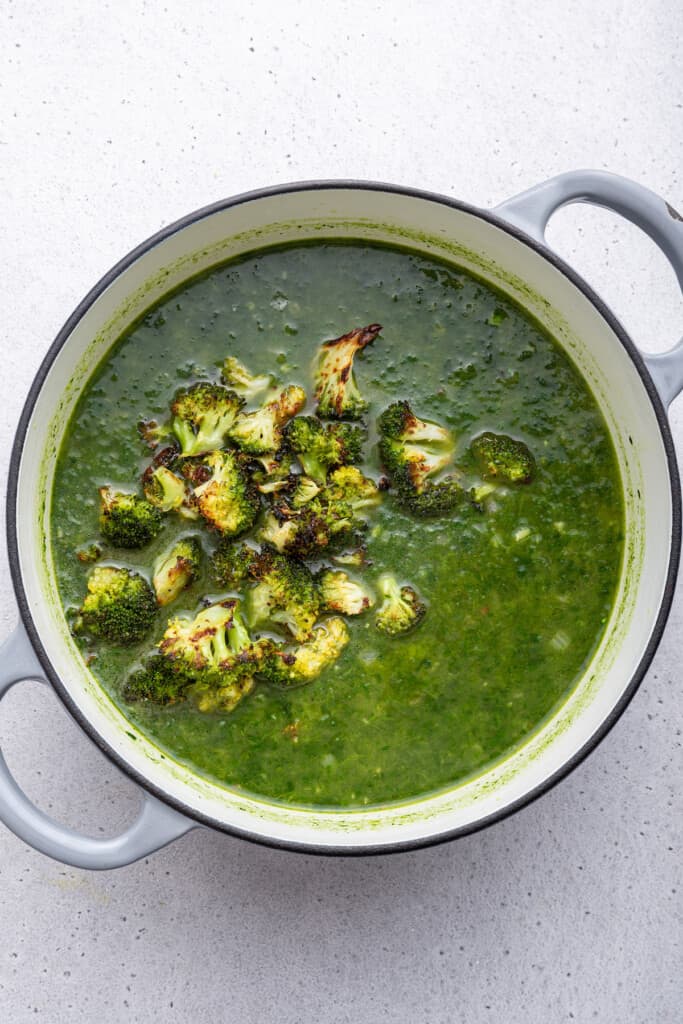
(574,278)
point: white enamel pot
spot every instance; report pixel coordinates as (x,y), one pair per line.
(506,247)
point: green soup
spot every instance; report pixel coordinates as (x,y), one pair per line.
(517,595)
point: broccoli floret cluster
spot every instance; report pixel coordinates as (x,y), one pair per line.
(285,508)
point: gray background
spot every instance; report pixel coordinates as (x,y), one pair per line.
(116,119)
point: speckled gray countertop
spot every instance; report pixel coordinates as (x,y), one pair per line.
(116,119)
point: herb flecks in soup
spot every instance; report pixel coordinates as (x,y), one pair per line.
(429,642)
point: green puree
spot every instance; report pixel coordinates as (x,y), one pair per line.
(517,595)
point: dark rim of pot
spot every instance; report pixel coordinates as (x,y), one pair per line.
(578,282)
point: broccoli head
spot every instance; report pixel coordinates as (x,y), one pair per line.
(214,650)
(202,416)
(335,387)
(260,432)
(159,681)
(412,449)
(348,486)
(176,569)
(309,531)
(401,609)
(320,447)
(237,377)
(500,457)
(272,472)
(154,433)
(339,593)
(227,500)
(284,594)
(305,489)
(119,606)
(305,662)
(231,564)
(126,520)
(89,553)
(163,489)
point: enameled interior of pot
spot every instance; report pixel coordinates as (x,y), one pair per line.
(528,278)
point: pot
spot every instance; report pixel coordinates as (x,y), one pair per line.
(507,248)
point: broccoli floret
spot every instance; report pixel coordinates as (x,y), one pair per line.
(435,499)
(348,486)
(176,569)
(237,377)
(305,490)
(119,606)
(159,681)
(89,553)
(227,500)
(319,446)
(335,387)
(272,472)
(217,654)
(231,563)
(126,520)
(202,416)
(315,528)
(163,489)
(357,558)
(500,457)
(339,593)
(260,432)
(401,608)
(306,662)
(412,449)
(284,594)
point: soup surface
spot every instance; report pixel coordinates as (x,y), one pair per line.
(517,594)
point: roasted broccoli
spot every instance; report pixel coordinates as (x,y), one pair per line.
(176,569)
(119,606)
(335,387)
(153,433)
(260,432)
(159,681)
(339,593)
(348,486)
(230,564)
(284,594)
(227,500)
(217,654)
(163,488)
(272,472)
(401,608)
(315,528)
(320,447)
(126,520)
(413,451)
(304,663)
(237,377)
(305,489)
(500,457)
(89,553)
(202,416)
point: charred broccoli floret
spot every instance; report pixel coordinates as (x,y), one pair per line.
(237,377)
(227,500)
(413,451)
(176,569)
(305,490)
(320,447)
(401,608)
(230,564)
(348,486)
(315,528)
(159,681)
(202,416)
(154,433)
(126,520)
(217,654)
(259,432)
(500,457)
(285,594)
(272,472)
(89,553)
(119,606)
(339,593)
(163,488)
(335,387)
(306,662)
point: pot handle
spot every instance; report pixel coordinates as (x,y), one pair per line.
(531,210)
(156,825)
